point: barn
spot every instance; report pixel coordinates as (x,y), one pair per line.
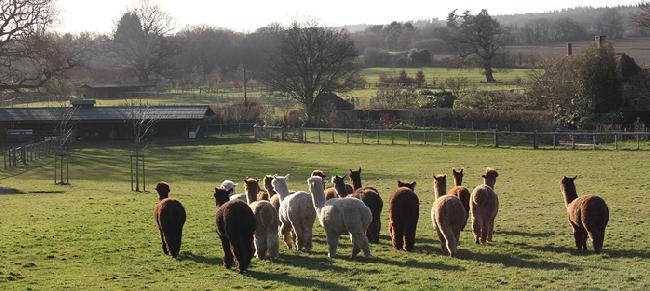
(116,89)
(90,122)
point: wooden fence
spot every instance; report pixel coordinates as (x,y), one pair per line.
(27,153)
(486,138)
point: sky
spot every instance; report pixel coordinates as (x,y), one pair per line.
(247,15)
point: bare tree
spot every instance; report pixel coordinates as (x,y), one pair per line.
(642,19)
(64,132)
(476,35)
(311,60)
(29,57)
(141,43)
(142,117)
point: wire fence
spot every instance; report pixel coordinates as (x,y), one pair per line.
(489,138)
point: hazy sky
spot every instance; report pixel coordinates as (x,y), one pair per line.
(246,15)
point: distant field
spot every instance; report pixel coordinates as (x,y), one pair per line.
(637,48)
(96,234)
(475,76)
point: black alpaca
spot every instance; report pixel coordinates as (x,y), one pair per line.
(235,226)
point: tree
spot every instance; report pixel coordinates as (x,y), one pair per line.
(610,23)
(309,61)
(642,19)
(141,43)
(29,56)
(476,35)
(142,118)
(419,58)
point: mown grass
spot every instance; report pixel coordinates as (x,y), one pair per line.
(97,234)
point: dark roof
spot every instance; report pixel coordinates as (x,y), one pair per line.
(116,84)
(178,112)
(333,101)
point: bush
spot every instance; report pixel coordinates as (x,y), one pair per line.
(237,112)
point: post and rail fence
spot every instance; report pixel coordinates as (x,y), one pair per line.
(487,138)
(27,153)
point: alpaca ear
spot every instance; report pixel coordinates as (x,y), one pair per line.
(483,176)
(344,176)
(414,183)
(359,170)
(454,171)
(576,177)
(350,170)
(287,177)
(461,170)
(257,180)
(444,176)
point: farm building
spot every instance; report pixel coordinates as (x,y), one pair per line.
(116,89)
(102,123)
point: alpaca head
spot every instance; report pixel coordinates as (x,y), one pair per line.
(568,188)
(439,184)
(251,187)
(227,184)
(221,195)
(316,184)
(267,183)
(163,190)
(339,185)
(406,184)
(458,177)
(280,184)
(318,173)
(355,176)
(490,177)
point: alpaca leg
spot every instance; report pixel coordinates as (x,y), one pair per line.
(174,242)
(243,254)
(476,230)
(260,246)
(332,243)
(485,227)
(443,241)
(359,242)
(307,237)
(286,233)
(227,253)
(397,235)
(451,245)
(164,245)
(580,236)
(597,239)
(409,237)
(273,244)
(490,229)
(365,246)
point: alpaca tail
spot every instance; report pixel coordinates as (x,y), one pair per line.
(171,224)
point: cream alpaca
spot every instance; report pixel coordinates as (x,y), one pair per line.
(296,215)
(341,215)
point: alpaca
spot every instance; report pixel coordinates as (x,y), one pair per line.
(266,222)
(588,215)
(228,185)
(340,188)
(447,215)
(170,217)
(268,188)
(370,196)
(252,187)
(341,215)
(235,225)
(403,214)
(461,192)
(296,215)
(484,206)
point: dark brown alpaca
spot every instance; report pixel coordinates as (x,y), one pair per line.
(461,192)
(170,217)
(370,197)
(484,206)
(342,189)
(588,215)
(235,225)
(403,214)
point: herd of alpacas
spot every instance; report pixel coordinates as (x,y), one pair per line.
(252,223)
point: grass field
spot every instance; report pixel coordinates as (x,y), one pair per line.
(97,234)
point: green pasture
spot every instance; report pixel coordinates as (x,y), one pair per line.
(97,234)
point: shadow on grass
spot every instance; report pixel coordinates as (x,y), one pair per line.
(308,283)
(200,259)
(309,262)
(521,233)
(613,253)
(416,264)
(514,260)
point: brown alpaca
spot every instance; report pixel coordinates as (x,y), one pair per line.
(370,196)
(448,216)
(461,192)
(252,187)
(340,188)
(588,215)
(266,221)
(403,214)
(170,217)
(268,187)
(484,206)
(235,225)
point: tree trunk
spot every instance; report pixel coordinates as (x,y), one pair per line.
(488,74)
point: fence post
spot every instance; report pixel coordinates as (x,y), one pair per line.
(377,136)
(554,140)
(535,140)
(333,140)
(347,134)
(424,136)
(459,142)
(573,141)
(475,136)
(362,137)
(442,138)
(593,136)
(638,143)
(392,137)
(615,141)
(496,138)
(409,137)
(319,136)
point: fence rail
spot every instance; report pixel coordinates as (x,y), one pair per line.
(488,138)
(27,153)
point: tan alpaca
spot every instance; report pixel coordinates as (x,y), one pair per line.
(484,205)
(448,216)
(461,192)
(266,222)
(588,215)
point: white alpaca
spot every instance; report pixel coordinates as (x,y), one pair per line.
(266,222)
(297,215)
(341,215)
(228,185)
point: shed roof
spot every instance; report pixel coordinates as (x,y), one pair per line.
(176,112)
